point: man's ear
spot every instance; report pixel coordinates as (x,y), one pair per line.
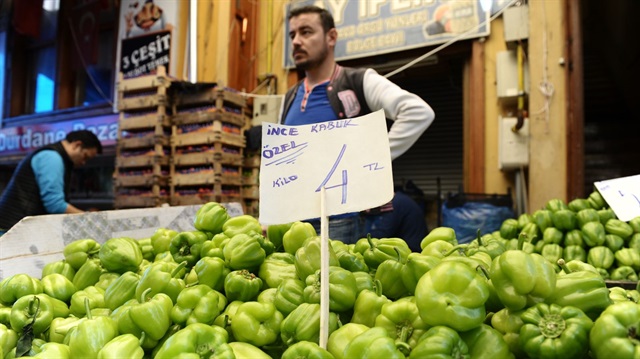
(76,144)
(332,37)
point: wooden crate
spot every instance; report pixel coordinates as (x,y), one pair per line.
(207,157)
(252,160)
(159,79)
(211,115)
(250,175)
(139,201)
(218,192)
(143,92)
(142,161)
(251,207)
(147,141)
(219,173)
(145,180)
(144,120)
(220,97)
(251,192)
(207,138)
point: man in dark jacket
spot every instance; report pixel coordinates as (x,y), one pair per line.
(40,184)
(331,92)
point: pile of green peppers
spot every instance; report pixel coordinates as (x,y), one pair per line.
(232,288)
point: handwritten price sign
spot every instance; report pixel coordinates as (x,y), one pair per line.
(350,158)
(623,196)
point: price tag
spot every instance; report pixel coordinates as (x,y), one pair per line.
(622,195)
(350,158)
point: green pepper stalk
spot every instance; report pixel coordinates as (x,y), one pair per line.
(555,331)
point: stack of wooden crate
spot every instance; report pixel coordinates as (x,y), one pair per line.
(141,177)
(207,145)
(251,182)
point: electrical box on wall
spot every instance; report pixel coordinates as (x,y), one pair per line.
(516,23)
(266,109)
(513,147)
(507,75)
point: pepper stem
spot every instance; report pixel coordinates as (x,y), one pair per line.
(377,286)
(460,248)
(87,308)
(403,347)
(143,336)
(143,296)
(521,239)
(177,270)
(484,271)
(563,265)
(480,240)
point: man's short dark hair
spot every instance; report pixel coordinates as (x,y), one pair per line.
(88,139)
(326,19)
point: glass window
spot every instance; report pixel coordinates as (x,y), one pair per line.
(44,72)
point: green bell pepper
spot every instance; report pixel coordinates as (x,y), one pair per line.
(582,289)
(552,235)
(486,342)
(210,271)
(215,246)
(508,323)
(574,252)
(368,305)
(197,341)
(613,242)
(303,324)
(619,228)
(244,224)
(247,351)
(555,331)
(625,273)
(402,321)
(148,317)
(440,342)
(89,274)
(606,214)
(440,233)
(91,335)
(32,313)
(600,257)
(242,285)
(486,244)
(573,238)
(349,260)
(452,294)
(615,331)
(341,337)
(78,251)
(531,231)
(196,304)
(225,318)
(211,217)
(161,240)
(308,350)
(257,323)
(416,266)
(297,235)
(619,294)
(578,204)
(596,201)
(244,252)
(564,220)
(58,286)
(289,295)
(389,274)
(593,234)
(60,327)
(634,241)
(120,255)
(121,290)
(50,350)
(276,268)
(8,340)
(364,280)
(509,228)
(342,289)
(59,267)
(377,250)
(628,257)
(307,260)
(162,277)
(276,232)
(5,314)
(91,297)
(587,215)
(543,218)
(522,279)
(552,252)
(555,205)
(438,249)
(373,343)
(122,346)
(17,286)
(523,220)
(267,295)
(186,246)
(105,280)
(146,248)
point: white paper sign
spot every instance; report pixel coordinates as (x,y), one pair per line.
(622,195)
(350,158)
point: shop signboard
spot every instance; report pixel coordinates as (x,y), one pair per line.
(369,28)
(20,140)
(349,158)
(147,36)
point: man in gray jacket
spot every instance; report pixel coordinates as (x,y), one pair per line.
(331,92)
